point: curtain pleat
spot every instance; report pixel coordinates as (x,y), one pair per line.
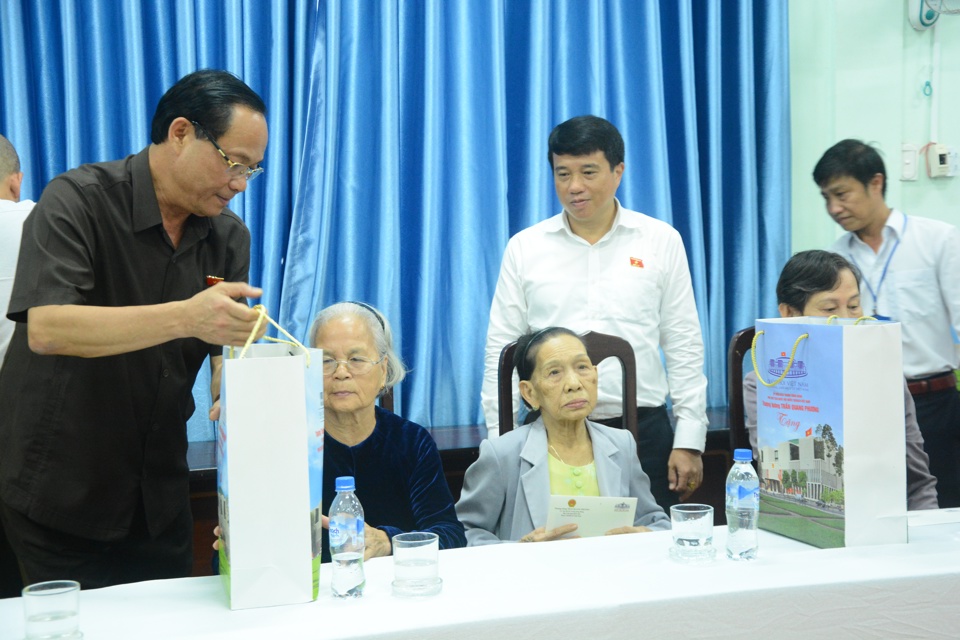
(408,143)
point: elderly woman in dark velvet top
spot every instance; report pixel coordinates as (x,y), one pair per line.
(395,462)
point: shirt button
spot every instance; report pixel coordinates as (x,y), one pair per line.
(154,427)
(166,373)
(578,484)
(576,471)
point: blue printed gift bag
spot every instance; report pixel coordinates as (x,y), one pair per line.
(830,430)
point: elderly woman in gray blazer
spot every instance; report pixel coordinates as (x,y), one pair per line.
(506,491)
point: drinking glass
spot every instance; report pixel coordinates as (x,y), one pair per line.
(692,526)
(415,564)
(51,610)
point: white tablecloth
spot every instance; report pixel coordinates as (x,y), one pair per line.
(615,587)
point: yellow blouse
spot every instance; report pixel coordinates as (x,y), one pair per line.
(567,480)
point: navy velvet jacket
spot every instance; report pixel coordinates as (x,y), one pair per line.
(399,480)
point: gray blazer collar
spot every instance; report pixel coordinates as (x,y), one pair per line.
(535,472)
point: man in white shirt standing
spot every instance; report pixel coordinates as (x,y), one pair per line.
(597,266)
(911,274)
(12,214)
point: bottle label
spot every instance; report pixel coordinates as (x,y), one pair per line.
(738,495)
(346,530)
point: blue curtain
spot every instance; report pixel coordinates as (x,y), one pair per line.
(408,142)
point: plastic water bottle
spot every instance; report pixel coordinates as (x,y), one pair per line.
(743,507)
(346,541)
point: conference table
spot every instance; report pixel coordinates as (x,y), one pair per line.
(611,587)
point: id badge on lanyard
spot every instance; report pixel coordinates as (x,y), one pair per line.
(883,274)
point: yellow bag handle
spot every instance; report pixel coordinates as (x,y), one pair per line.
(262,310)
(786,370)
(753,351)
(858,320)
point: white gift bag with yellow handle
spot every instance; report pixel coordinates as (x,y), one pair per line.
(270,472)
(830,430)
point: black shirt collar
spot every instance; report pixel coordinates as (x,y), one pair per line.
(146,208)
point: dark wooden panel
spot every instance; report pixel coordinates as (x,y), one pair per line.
(204,506)
(455,463)
(717,461)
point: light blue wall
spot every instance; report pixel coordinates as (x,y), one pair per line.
(857,70)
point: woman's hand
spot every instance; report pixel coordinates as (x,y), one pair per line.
(621,530)
(541,535)
(375,542)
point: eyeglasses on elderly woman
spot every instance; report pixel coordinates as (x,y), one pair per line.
(356,365)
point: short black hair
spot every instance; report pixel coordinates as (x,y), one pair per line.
(528,346)
(207,96)
(9,160)
(582,136)
(525,357)
(853,158)
(810,272)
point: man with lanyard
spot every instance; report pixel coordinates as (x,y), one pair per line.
(911,274)
(597,266)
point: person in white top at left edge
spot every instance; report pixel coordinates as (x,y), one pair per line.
(597,266)
(911,274)
(13,211)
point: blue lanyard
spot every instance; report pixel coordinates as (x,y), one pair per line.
(883,274)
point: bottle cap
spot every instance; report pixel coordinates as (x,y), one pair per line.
(345,483)
(739,455)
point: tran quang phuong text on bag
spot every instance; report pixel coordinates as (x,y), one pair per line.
(830,430)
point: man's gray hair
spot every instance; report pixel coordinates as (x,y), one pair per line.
(9,160)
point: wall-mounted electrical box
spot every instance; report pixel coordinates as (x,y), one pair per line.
(939,161)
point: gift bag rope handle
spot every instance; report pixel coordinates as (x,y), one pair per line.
(858,320)
(753,351)
(262,310)
(786,370)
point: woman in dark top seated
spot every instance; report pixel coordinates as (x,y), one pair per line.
(395,462)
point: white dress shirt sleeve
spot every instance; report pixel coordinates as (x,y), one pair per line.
(948,274)
(682,344)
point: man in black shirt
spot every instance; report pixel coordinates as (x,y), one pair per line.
(130,273)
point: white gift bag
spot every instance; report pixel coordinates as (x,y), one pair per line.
(270,474)
(830,430)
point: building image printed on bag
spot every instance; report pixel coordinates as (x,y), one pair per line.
(800,456)
(830,431)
